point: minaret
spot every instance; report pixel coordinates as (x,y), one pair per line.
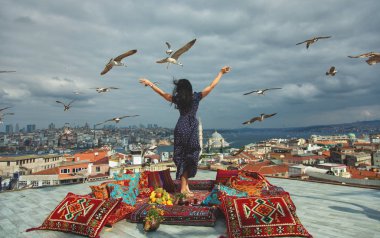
(200,131)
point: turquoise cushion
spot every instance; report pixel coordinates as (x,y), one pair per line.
(212,198)
(129,192)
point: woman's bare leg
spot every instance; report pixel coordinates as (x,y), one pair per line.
(184,182)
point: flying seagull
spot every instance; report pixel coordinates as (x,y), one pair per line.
(5,114)
(67,107)
(237,152)
(332,71)
(117,119)
(117,61)
(7,71)
(173,59)
(169,51)
(5,108)
(104,90)
(260,91)
(373,58)
(260,118)
(312,40)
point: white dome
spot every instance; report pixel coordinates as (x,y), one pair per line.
(216,136)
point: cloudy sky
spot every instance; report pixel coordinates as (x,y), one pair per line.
(57,47)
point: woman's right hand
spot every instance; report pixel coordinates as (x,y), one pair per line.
(225,69)
(145,82)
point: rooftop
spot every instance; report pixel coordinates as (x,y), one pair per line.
(325,210)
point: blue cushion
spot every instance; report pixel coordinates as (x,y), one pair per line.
(127,193)
(212,198)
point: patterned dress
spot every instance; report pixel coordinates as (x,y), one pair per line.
(186,140)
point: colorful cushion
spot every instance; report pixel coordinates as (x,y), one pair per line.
(261,217)
(144,180)
(127,193)
(222,176)
(128,178)
(253,188)
(79,214)
(145,192)
(100,191)
(161,179)
(178,215)
(212,198)
(119,213)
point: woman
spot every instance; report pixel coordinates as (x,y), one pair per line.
(186,139)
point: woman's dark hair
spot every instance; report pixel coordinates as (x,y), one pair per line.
(183,94)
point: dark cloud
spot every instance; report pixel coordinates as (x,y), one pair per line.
(60,47)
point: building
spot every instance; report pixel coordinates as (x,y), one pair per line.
(337,169)
(9,129)
(28,164)
(30,128)
(376,159)
(358,158)
(216,142)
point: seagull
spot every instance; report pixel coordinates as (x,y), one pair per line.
(7,71)
(2,109)
(260,91)
(237,152)
(169,51)
(173,59)
(260,118)
(117,119)
(2,116)
(104,90)
(117,61)
(373,58)
(332,71)
(313,40)
(67,107)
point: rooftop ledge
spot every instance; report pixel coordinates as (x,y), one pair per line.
(326,211)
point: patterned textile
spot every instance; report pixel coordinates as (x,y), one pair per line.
(144,180)
(161,179)
(178,215)
(222,176)
(127,193)
(261,217)
(145,192)
(100,191)
(212,198)
(133,178)
(119,213)
(207,185)
(80,215)
(253,176)
(253,188)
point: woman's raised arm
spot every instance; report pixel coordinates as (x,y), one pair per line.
(209,88)
(166,96)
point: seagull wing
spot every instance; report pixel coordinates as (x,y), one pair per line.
(109,120)
(7,71)
(251,120)
(322,37)
(8,113)
(332,69)
(272,88)
(61,102)
(182,50)
(2,109)
(255,91)
(106,69)
(161,61)
(302,42)
(71,102)
(269,115)
(113,88)
(126,54)
(167,43)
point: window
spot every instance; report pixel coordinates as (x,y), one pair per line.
(97,169)
(17,162)
(65,171)
(34,183)
(45,182)
(8,163)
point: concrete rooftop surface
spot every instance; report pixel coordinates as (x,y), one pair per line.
(325,210)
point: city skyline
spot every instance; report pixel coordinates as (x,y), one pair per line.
(58,48)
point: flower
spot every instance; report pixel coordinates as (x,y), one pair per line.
(155,213)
